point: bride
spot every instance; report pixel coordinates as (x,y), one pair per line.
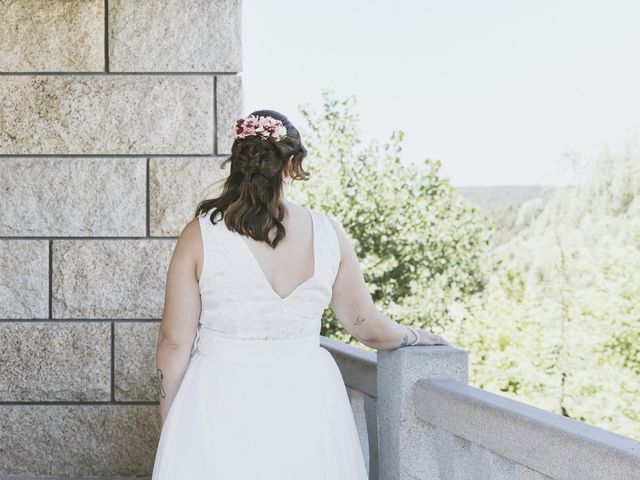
(246,391)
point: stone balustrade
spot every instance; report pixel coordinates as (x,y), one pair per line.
(415,406)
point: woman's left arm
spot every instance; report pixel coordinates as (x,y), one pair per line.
(180,315)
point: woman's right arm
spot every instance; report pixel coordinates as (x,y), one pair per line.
(355,310)
(180,315)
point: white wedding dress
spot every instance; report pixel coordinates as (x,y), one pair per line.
(260,399)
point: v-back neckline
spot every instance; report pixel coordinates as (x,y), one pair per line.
(265,280)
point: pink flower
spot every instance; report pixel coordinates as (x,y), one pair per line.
(266,127)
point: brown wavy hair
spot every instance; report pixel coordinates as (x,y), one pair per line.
(250,202)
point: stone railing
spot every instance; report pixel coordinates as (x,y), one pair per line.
(418,419)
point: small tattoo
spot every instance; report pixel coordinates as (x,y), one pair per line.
(359,320)
(160,377)
(405,341)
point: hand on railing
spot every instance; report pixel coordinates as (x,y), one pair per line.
(398,336)
(424,337)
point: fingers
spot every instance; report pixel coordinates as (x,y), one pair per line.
(427,338)
(437,340)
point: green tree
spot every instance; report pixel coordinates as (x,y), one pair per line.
(559,324)
(420,246)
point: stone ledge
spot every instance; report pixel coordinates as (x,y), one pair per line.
(548,443)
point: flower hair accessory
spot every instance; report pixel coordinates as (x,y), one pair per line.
(265,127)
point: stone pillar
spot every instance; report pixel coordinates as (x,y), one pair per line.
(408,445)
(114,117)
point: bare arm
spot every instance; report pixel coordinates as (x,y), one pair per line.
(354,307)
(180,316)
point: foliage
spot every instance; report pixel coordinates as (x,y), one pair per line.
(420,246)
(545,297)
(558,326)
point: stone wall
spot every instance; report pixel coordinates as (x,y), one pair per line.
(114,116)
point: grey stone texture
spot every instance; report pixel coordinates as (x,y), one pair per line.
(109,278)
(73,196)
(176,186)
(411,448)
(455,458)
(554,445)
(135,361)
(176,36)
(525,473)
(55,361)
(37,36)
(357,400)
(24,276)
(106,114)
(78,440)
(229,107)
(371,418)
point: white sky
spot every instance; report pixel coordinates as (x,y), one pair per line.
(497,90)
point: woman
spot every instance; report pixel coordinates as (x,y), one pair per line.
(254,396)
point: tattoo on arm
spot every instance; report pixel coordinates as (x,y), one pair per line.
(358,320)
(405,341)
(160,377)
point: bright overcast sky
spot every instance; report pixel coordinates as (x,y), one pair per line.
(496,90)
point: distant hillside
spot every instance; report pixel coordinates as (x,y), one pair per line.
(501,196)
(558,324)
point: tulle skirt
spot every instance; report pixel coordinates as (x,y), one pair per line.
(260,410)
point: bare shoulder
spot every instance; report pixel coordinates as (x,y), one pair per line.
(189,247)
(190,233)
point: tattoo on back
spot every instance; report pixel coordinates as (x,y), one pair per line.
(160,377)
(358,320)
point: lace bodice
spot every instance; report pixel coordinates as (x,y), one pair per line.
(237,299)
